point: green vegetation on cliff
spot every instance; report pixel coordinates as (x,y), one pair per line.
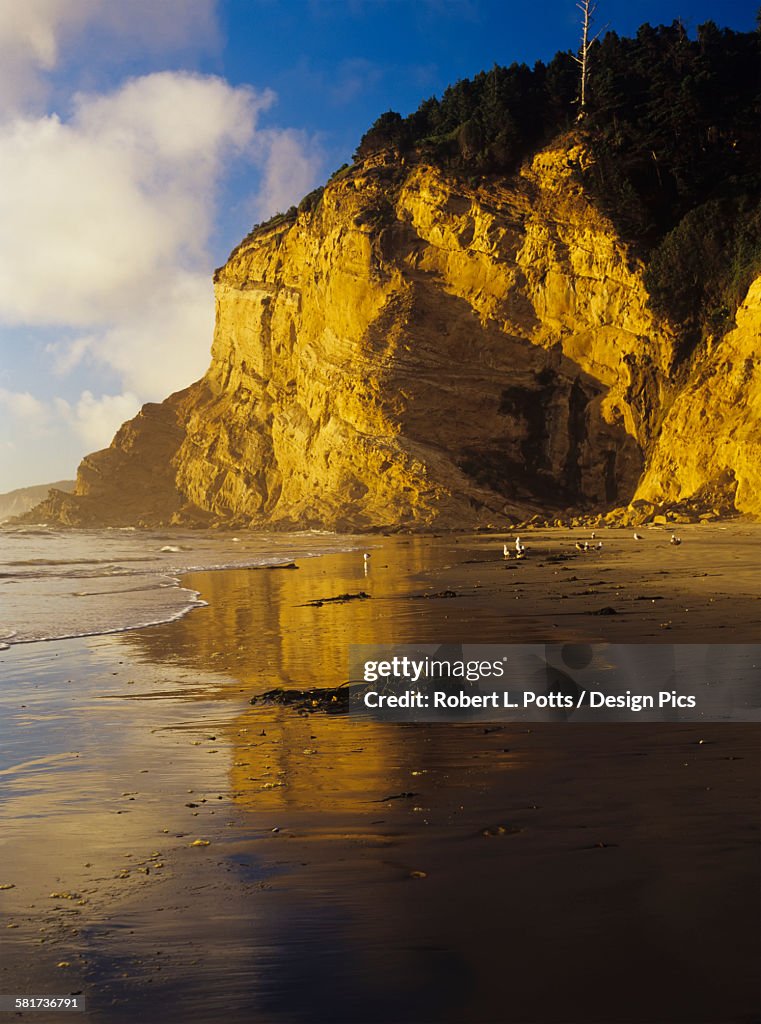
(672,124)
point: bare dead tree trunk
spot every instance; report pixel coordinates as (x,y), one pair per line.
(587,8)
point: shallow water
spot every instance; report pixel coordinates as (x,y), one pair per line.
(63,583)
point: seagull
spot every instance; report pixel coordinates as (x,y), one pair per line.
(505,550)
(638,537)
(366,556)
(599,545)
(581,547)
(518,546)
(676,541)
(593,535)
(521,553)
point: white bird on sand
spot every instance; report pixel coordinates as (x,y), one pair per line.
(675,540)
(581,547)
(505,550)
(599,545)
(593,535)
(518,546)
(637,536)
(366,556)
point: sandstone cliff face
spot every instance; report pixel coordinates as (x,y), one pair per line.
(417,350)
(709,448)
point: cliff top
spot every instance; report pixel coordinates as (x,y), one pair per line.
(671,129)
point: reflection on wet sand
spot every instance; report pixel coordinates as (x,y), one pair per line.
(96,757)
(371,872)
(264,627)
(446,872)
(261,625)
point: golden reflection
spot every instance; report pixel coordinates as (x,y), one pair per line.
(289,761)
(346,769)
(263,630)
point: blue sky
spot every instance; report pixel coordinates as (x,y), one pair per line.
(140,140)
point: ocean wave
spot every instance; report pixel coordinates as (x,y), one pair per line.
(130,579)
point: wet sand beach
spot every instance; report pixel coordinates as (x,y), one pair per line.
(189,856)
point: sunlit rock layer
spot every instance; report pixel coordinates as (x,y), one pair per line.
(415,350)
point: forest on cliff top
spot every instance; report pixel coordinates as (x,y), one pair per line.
(673,125)
(673,128)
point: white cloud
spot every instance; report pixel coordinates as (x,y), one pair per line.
(106,210)
(96,420)
(104,220)
(161,347)
(170,118)
(104,227)
(23,406)
(93,420)
(29,45)
(67,356)
(290,162)
(35,36)
(96,211)
(39,440)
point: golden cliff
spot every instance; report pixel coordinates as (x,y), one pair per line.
(709,447)
(415,350)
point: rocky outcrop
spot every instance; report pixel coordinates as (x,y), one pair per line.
(709,447)
(133,481)
(417,350)
(15,503)
(414,349)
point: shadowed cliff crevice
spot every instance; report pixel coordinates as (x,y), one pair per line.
(519,420)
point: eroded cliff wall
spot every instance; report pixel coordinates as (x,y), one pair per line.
(418,350)
(709,448)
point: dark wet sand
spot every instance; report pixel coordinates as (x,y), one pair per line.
(618,879)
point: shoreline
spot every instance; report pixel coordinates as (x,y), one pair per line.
(558,850)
